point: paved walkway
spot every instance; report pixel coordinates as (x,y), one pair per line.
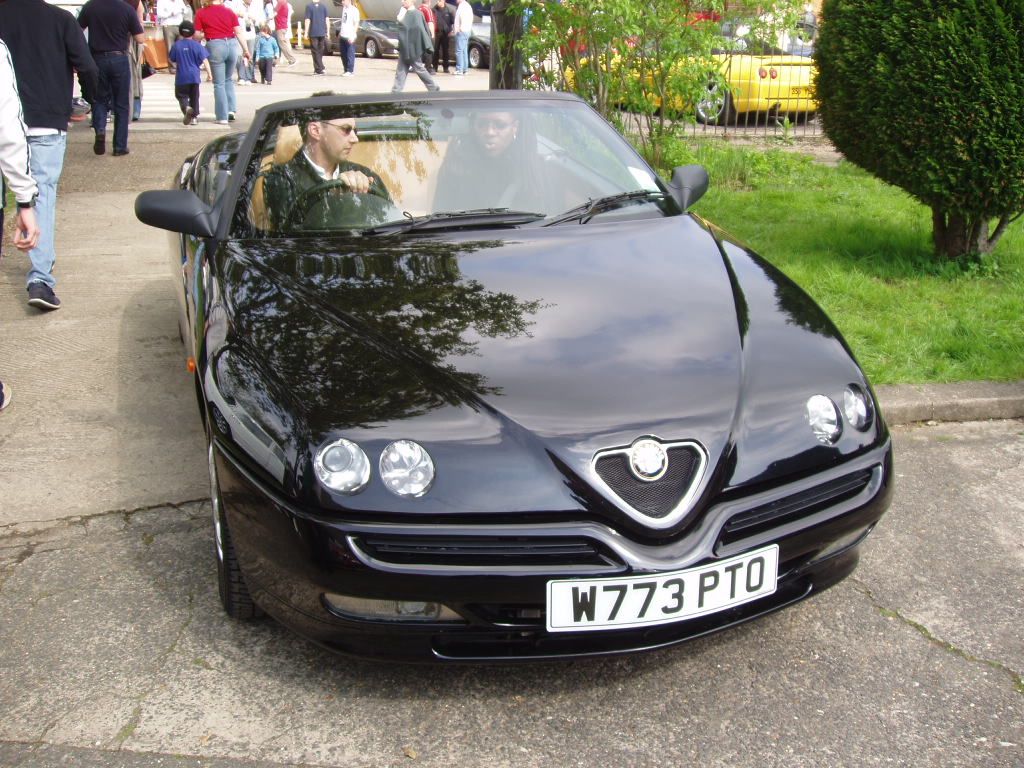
(104,415)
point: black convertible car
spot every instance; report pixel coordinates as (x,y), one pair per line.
(477,386)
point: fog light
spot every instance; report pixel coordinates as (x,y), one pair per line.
(844,542)
(388,610)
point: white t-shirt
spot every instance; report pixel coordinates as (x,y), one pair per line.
(349,23)
(464,18)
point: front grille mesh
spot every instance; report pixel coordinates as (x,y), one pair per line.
(654,499)
(468,551)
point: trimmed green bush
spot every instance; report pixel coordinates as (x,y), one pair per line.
(928,95)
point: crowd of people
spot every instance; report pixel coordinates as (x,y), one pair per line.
(45,46)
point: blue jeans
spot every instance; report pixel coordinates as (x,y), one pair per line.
(247,70)
(223,60)
(348,54)
(115,91)
(462,52)
(46,165)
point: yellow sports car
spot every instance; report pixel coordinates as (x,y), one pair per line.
(771,83)
(755,78)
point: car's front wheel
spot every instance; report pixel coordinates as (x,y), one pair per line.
(234,594)
(476,56)
(372,49)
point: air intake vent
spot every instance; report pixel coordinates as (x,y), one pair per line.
(794,507)
(498,551)
(658,498)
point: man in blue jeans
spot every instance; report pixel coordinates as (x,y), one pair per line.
(111,24)
(46,45)
(463,27)
(14,165)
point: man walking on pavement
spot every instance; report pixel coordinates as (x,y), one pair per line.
(316,31)
(283,29)
(14,164)
(413,41)
(112,25)
(45,45)
(169,14)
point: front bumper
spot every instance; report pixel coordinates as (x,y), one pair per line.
(495,576)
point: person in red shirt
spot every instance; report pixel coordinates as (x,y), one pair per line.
(283,29)
(220,27)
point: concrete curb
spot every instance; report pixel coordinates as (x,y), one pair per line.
(964,401)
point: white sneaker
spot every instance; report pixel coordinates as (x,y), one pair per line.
(195,121)
(349,74)
(221,122)
(242,82)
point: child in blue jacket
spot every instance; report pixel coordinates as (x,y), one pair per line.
(266,53)
(189,57)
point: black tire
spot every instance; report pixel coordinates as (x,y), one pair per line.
(716,107)
(476,56)
(371,49)
(234,594)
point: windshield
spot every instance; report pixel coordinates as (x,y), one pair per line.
(366,169)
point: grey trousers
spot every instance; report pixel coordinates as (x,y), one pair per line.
(402,71)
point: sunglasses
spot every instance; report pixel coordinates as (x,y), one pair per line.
(346,129)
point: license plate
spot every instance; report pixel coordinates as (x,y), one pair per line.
(796,91)
(639,601)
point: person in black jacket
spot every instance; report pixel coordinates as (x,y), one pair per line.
(46,45)
(444,20)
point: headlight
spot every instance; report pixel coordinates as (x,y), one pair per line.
(857,407)
(342,466)
(406,468)
(823,417)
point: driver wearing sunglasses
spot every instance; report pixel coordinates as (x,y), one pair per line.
(321,162)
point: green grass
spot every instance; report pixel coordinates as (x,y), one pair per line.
(862,249)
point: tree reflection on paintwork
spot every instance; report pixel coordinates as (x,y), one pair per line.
(368,338)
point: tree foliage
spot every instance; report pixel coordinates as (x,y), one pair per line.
(652,58)
(928,95)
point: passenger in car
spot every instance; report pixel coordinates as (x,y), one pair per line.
(494,165)
(321,161)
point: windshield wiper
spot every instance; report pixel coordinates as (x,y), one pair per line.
(591,208)
(502,217)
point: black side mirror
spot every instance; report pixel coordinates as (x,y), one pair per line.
(178,210)
(688,185)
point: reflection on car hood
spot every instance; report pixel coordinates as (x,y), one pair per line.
(576,338)
(567,330)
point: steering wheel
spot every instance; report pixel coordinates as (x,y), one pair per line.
(306,200)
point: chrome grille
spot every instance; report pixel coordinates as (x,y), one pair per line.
(654,499)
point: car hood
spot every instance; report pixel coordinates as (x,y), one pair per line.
(563,340)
